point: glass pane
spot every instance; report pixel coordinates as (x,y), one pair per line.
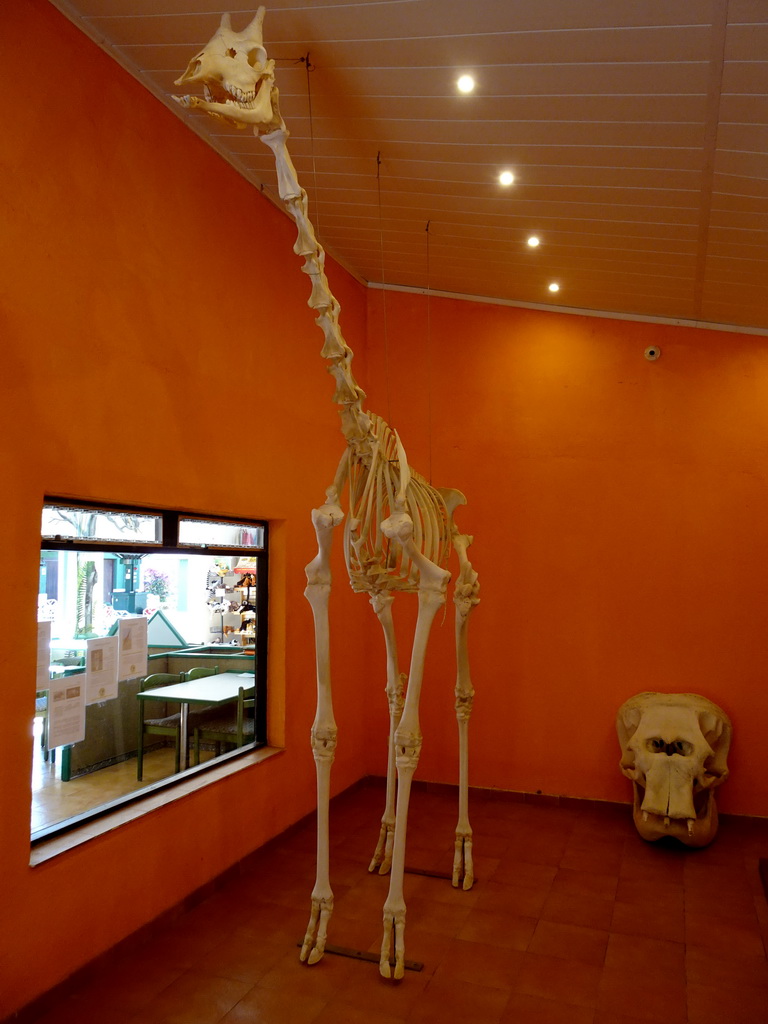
(203,533)
(71,523)
(201,623)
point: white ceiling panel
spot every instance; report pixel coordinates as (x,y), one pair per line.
(637,132)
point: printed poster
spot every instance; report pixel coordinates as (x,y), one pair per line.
(66,711)
(43,655)
(101,669)
(132,637)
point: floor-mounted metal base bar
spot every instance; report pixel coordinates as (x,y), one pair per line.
(431,874)
(373,958)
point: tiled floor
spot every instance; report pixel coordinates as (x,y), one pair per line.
(574,919)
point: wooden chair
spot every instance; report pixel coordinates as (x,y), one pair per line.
(168,725)
(196,713)
(224,727)
(199,673)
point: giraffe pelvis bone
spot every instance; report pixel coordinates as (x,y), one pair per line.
(237,78)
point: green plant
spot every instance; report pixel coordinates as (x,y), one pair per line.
(157,583)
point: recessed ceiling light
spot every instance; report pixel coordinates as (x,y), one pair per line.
(465,83)
(554,287)
(533,241)
(506,177)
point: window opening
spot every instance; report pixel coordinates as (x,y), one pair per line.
(133,601)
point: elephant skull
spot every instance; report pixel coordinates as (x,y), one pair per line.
(674,748)
(238,81)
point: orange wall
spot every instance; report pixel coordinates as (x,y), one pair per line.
(157,349)
(621,537)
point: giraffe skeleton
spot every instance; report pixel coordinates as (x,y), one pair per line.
(398,534)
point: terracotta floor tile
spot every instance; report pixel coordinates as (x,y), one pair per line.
(442,891)
(74,1010)
(734,937)
(451,1000)
(264,1005)
(566,981)
(537,850)
(355,931)
(446,918)
(731,877)
(523,874)
(242,958)
(662,897)
(663,861)
(181,945)
(342,1013)
(585,883)
(322,980)
(633,919)
(125,986)
(587,911)
(195,998)
(365,989)
(708,1004)
(646,955)
(280,924)
(628,992)
(607,1017)
(491,845)
(574,920)
(569,942)
(516,899)
(604,861)
(525,1009)
(709,967)
(481,964)
(716,903)
(367,894)
(656,870)
(592,838)
(506,930)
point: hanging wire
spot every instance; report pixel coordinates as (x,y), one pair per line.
(429,357)
(384,291)
(309,66)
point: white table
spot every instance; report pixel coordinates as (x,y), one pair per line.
(208,690)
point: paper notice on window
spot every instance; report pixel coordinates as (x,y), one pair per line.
(43,655)
(66,711)
(101,669)
(132,636)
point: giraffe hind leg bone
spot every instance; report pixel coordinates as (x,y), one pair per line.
(465,598)
(382,605)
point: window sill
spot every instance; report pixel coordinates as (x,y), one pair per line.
(50,848)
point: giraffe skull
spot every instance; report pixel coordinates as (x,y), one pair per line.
(674,748)
(236,76)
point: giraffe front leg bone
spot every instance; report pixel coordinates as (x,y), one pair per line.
(318,590)
(317,930)
(432,586)
(408,746)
